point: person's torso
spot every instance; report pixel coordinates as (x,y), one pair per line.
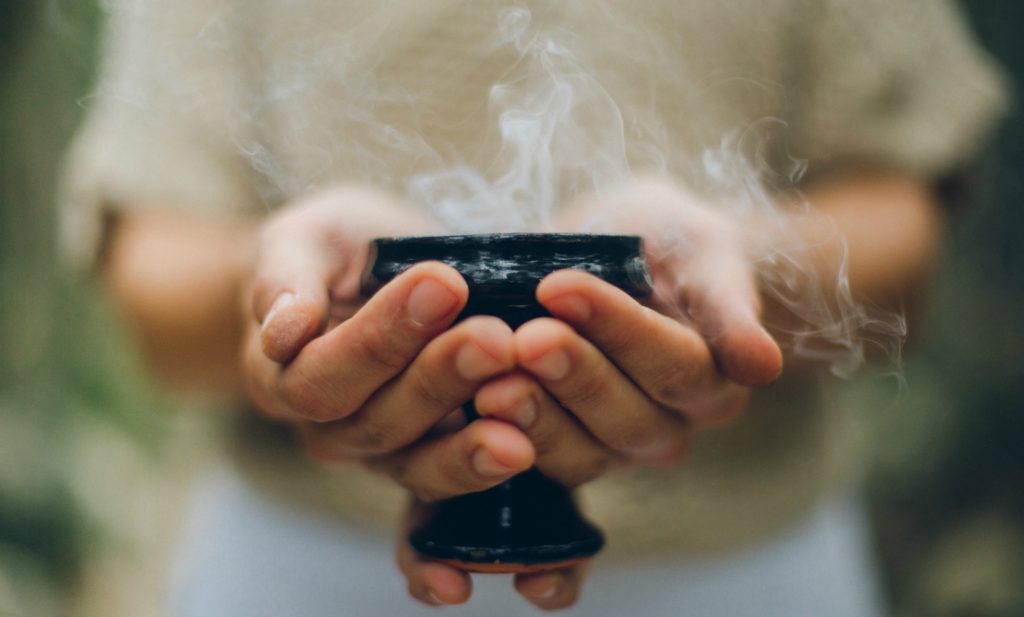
(546,101)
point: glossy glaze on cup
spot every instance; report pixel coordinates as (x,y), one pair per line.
(528,523)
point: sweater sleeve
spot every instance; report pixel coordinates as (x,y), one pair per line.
(896,84)
(157,127)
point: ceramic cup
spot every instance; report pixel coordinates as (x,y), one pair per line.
(528,523)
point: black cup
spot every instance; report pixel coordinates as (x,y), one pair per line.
(529,522)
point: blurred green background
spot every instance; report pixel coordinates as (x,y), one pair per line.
(947,473)
(71,392)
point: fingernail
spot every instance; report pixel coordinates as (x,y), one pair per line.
(487,465)
(552,583)
(282,300)
(571,306)
(281,328)
(432,597)
(473,363)
(430,302)
(553,365)
(525,414)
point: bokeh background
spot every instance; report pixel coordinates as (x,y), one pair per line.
(86,439)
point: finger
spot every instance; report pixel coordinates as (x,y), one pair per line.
(336,373)
(443,376)
(745,351)
(682,375)
(261,376)
(701,260)
(604,400)
(289,293)
(315,251)
(719,407)
(565,451)
(722,299)
(429,582)
(554,589)
(482,455)
(668,360)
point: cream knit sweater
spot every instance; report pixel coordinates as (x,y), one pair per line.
(231,107)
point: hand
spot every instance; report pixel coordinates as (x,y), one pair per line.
(348,371)
(612,380)
(681,363)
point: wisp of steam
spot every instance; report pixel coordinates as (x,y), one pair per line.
(556,123)
(559,124)
(561,134)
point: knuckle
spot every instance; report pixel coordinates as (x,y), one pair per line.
(586,390)
(671,385)
(619,340)
(306,399)
(431,392)
(375,437)
(631,437)
(381,346)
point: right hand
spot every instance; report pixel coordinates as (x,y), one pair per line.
(368,380)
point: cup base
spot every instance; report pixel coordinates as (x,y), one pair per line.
(528,523)
(511,568)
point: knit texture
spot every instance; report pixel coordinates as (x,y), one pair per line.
(230,108)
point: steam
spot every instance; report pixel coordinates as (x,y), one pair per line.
(323,111)
(835,328)
(561,135)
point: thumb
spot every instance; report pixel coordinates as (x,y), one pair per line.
(290,294)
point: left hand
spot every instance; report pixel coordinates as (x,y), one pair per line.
(682,361)
(609,379)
